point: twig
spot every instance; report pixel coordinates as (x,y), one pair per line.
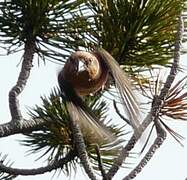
(129,146)
(157,143)
(101,168)
(119,114)
(29,51)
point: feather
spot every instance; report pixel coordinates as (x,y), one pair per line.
(88,122)
(123,86)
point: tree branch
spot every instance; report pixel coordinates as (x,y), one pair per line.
(100,162)
(157,143)
(119,114)
(29,51)
(81,149)
(23,126)
(156,104)
(126,150)
(26,172)
(175,64)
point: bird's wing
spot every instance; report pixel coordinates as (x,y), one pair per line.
(124,87)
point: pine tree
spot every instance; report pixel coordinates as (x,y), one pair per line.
(142,36)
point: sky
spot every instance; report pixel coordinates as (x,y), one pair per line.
(169,162)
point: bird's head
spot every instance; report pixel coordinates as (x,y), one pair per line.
(87,62)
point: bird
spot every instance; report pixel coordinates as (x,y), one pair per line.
(86,73)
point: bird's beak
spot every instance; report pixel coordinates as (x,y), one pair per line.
(82,66)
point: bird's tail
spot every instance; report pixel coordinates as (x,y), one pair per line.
(91,127)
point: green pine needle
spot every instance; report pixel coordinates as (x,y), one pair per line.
(55,140)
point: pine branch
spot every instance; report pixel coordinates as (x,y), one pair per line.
(119,113)
(159,100)
(26,172)
(81,149)
(156,105)
(126,150)
(3,175)
(24,126)
(175,64)
(22,80)
(157,144)
(100,162)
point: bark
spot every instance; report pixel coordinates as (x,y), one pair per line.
(26,172)
(24,126)
(81,150)
(28,55)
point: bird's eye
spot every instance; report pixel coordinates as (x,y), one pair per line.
(89,61)
(86,63)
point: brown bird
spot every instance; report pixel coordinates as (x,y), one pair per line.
(76,81)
